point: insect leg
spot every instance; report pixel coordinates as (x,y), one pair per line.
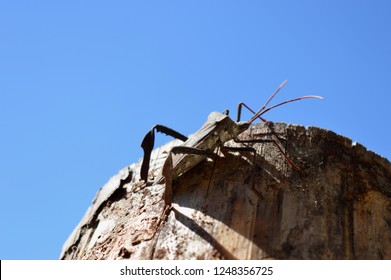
(291,163)
(148,143)
(168,172)
(250,150)
(240,105)
(168,168)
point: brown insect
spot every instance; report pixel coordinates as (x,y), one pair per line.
(217,130)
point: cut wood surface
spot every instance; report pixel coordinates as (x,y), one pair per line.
(234,207)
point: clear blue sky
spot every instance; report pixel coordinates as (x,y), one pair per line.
(81,82)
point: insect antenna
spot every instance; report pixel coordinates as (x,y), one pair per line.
(270,98)
(263,110)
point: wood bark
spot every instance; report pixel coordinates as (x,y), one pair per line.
(233,206)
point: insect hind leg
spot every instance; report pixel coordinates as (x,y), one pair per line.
(148,143)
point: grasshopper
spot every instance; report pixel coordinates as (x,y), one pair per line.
(217,130)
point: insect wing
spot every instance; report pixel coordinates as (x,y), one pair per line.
(202,139)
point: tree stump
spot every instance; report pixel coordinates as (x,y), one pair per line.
(235,207)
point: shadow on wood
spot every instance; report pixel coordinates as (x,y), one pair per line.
(340,208)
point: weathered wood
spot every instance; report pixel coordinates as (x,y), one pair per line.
(340,208)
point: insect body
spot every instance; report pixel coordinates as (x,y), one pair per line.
(217,130)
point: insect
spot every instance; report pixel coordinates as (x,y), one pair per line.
(217,130)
